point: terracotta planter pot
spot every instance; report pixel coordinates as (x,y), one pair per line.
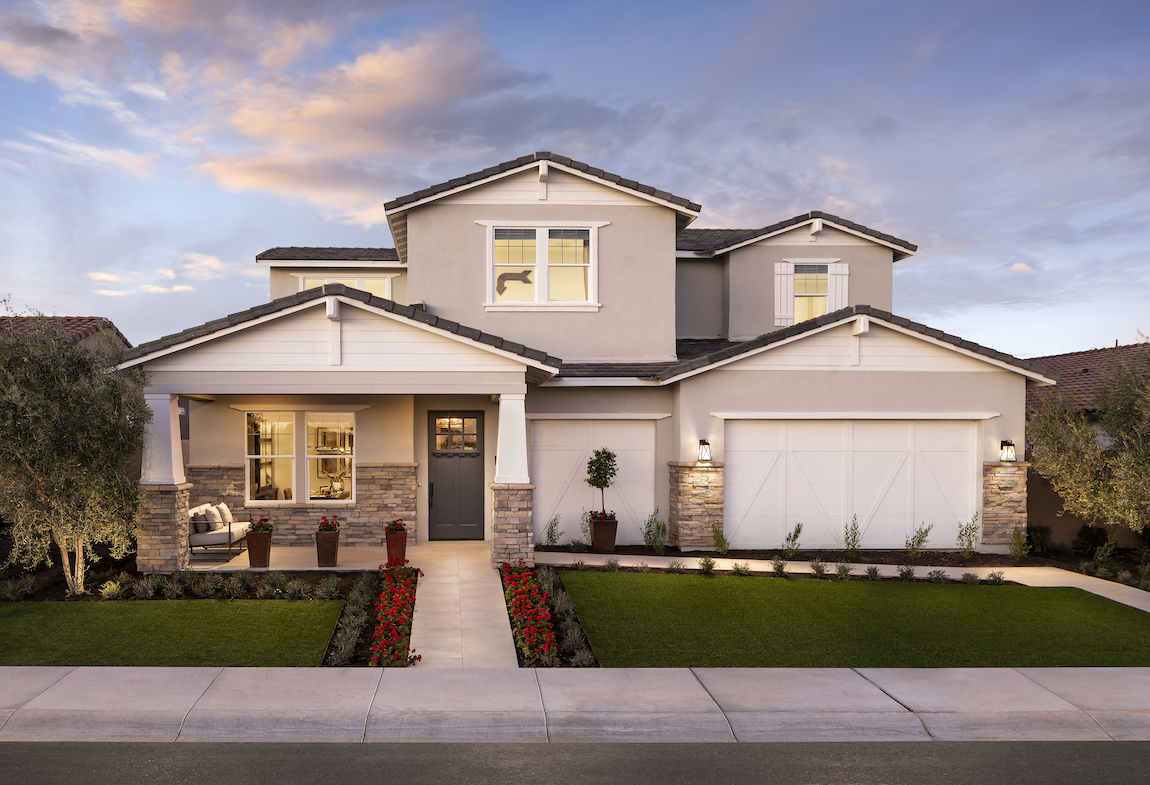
(259,548)
(396,545)
(603,536)
(326,548)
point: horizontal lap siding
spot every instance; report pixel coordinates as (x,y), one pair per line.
(523,188)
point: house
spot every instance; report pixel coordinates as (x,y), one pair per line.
(542,308)
(1081,376)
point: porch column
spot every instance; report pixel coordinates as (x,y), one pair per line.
(511,452)
(162,535)
(512,492)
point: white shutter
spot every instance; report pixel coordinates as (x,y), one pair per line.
(784,293)
(836,287)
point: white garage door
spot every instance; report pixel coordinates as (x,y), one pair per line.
(559,453)
(894,475)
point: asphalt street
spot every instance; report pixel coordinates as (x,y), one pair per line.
(939,763)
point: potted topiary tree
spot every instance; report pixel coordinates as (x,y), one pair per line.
(601,471)
(327,541)
(259,539)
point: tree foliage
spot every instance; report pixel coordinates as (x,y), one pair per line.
(1100,469)
(601,471)
(69,428)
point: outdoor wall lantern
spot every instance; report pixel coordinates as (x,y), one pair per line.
(704,450)
(1007,451)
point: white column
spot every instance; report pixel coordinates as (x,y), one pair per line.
(511,454)
(163,462)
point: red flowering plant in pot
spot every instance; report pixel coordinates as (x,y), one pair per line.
(601,471)
(259,539)
(327,541)
(396,535)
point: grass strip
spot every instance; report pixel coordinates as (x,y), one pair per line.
(167,633)
(639,620)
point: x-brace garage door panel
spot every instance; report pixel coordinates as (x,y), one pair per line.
(559,453)
(894,475)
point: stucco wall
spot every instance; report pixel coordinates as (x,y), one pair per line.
(447,256)
(700,298)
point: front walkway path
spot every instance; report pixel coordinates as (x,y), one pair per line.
(574,704)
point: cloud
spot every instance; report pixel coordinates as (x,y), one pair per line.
(1021,267)
(107,277)
(201,267)
(164,273)
(166,289)
(109,292)
(66,149)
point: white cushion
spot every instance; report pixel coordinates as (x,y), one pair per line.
(215,520)
(225,513)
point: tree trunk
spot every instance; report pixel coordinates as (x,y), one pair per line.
(65,562)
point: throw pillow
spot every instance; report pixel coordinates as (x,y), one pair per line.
(225,513)
(214,519)
(199,523)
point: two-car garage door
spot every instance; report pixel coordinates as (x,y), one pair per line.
(894,475)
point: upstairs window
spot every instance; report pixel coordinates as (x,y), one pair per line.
(808,288)
(542,267)
(810,291)
(379,285)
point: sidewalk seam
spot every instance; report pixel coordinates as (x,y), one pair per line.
(371,703)
(1075,705)
(896,700)
(197,700)
(37,695)
(726,719)
(539,690)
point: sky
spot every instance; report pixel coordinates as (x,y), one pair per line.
(149,149)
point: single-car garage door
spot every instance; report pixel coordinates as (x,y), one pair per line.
(559,453)
(894,475)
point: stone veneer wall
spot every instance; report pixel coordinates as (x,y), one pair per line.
(696,504)
(1003,500)
(384,492)
(512,537)
(162,533)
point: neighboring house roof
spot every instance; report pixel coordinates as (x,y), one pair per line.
(1082,374)
(336,289)
(717,241)
(296,254)
(80,327)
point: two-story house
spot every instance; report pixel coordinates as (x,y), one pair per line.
(540,309)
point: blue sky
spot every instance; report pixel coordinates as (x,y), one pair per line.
(150,148)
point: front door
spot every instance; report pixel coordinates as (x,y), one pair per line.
(455,475)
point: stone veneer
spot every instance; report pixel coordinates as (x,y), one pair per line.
(162,533)
(384,492)
(696,504)
(1003,500)
(512,538)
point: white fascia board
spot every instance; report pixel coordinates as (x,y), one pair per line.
(299,407)
(535,165)
(855,415)
(826,222)
(317,263)
(694,255)
(598,416)
(601,381)
(1042,380)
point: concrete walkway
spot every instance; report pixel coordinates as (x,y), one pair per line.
(573,705)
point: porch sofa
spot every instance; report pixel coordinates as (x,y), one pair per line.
(213,524)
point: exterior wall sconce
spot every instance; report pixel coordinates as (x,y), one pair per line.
(1006,452)
(704,451)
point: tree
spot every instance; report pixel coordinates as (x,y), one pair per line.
(69,427)
(1101,470)
(601,471)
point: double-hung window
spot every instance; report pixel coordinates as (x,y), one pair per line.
(542,266)
(808,288)
(270,455)
(379,285)
(325,442)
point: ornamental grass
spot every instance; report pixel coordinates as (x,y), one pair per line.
(391,642)
(530,618)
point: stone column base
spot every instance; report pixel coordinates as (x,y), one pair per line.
(162,534)
(512,538)
(696,504)
(1003,501)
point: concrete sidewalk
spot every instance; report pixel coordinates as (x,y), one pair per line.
(570,705)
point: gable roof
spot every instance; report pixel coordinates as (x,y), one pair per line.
(176,340)
(717,241)
(706,362)
(1082,374)
(297,254)
(79,327)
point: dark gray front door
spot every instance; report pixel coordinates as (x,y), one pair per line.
(455,475)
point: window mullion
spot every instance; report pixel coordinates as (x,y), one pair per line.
(542,265)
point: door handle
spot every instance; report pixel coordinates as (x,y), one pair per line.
(430,494)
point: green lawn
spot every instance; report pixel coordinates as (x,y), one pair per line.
(659,620)
(167,632)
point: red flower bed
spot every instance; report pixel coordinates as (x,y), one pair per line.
(530,617)
(391,642)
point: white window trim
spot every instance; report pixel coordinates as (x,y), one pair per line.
(541,281)
(300,468)
(360,281)
(837,289)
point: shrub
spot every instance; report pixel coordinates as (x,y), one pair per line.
(296,590)
(1087,568)
(676,566)
(1144,584)
(529,611)
(779,567)
(1106,549)
(655,533)
(146,587)
(1019,546)
(852,538)
(112,590)
(968,536)
(234,588)
(818,568)
(791,543)
(208,585)
(328,588)
(391,641)
(642,567)
(872,573)
(611,565)
(266,591)
(579,564)
(350,636)
(551,533)
(843,571)
(1126,577)
(707,565)
(906,573)
(1039,537)
(172,588)
(721,544)
(277,580)
(997,578)
(970,578)
(17,588)
(742,569)
(915,542)
(1089,539)
(937,576)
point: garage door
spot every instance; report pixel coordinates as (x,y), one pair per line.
(894,475)
(559,453)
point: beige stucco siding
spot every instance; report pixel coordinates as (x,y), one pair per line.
(447,253)
(700,298)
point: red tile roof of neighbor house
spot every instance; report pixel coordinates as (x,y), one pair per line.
(1081,374)
(80,327)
